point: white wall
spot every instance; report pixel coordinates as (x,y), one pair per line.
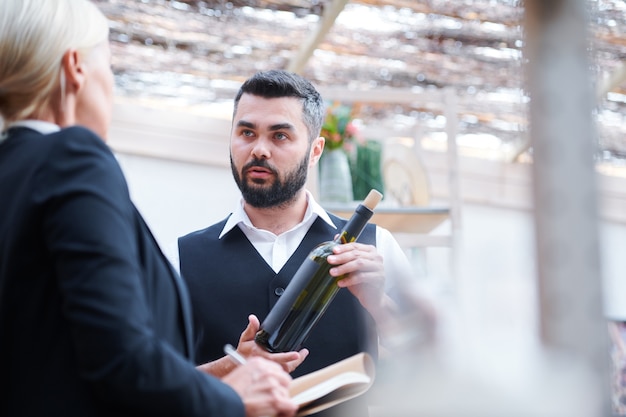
(176,197)
(613,247)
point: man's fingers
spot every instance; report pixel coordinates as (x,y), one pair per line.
(252,328)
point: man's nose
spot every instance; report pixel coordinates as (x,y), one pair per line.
(261,148)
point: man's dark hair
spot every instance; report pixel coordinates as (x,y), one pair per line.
(279,83)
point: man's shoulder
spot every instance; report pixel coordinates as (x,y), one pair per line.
(211,231)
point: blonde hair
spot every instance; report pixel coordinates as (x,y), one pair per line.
(34,36)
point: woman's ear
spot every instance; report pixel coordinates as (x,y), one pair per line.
(73,70)
(316,150)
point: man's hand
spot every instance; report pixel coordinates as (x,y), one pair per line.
(362,267)
(249,348)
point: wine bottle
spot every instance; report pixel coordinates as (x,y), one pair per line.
(311,289)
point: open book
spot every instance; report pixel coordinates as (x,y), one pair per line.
(333,384)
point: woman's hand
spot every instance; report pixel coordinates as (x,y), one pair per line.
(263,386)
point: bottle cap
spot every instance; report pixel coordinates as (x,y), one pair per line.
(372,199)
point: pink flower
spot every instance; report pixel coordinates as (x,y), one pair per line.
(338,129)
(351,129)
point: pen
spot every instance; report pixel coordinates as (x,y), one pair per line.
(233,354)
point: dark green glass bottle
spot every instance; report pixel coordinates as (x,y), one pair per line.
(311,289)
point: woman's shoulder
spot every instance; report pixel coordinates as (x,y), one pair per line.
(79,142)
(77,148)
(78,135)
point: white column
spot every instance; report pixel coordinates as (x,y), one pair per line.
(566,219)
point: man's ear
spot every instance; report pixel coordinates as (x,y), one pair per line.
(73,70)
(317,147)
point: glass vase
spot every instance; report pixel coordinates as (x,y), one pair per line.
(335,180)
(366,169)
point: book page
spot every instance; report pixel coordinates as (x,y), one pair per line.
(333,384)
(337,382)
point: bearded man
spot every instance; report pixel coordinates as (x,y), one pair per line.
(237,268)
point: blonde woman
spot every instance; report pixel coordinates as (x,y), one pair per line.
(93,320)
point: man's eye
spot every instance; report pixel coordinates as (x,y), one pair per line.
(247,133)
(280,136)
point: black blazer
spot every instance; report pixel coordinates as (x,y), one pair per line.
(93,320)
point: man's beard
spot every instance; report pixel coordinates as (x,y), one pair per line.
(279,192)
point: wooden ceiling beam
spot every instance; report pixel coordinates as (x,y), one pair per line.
(326,22)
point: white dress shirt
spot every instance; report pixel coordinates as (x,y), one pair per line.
(277,249)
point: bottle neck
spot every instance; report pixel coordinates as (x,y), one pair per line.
(355,225)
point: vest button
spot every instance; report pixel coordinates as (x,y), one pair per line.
(279,291)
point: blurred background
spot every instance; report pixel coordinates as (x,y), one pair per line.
(512,210)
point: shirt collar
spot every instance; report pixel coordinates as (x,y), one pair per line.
(239,215)
(37,125)
(40,126)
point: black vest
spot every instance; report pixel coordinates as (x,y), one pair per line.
(228,280)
